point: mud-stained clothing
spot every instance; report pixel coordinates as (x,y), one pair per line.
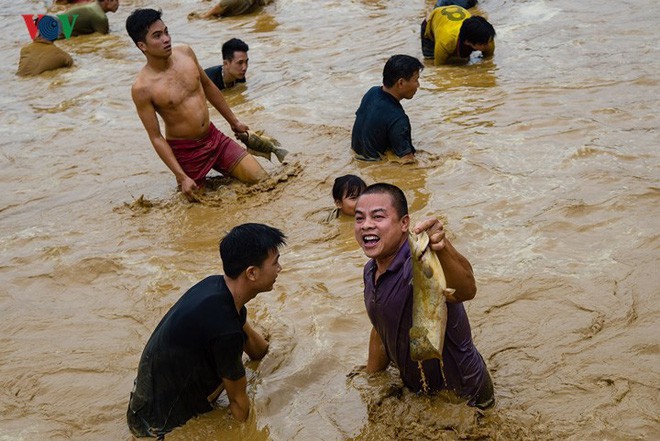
(91,18)
(238,7)
(41,56)
(440,32)
(389,306)
(215,150)
(215,75)
(196,344)
(381,124)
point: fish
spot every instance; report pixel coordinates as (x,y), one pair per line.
(429,321)
(259,144)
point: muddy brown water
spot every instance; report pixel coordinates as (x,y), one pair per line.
(543,161)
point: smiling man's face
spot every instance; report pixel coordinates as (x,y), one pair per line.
(378,228)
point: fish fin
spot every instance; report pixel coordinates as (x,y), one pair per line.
(258,153)
(280,153)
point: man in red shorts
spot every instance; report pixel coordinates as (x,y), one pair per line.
(173,85)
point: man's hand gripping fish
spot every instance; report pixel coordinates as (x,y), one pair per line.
(429,321)
(261,145)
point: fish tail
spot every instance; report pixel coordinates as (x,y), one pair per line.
(280,153)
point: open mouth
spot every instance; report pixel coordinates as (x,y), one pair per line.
(370,239)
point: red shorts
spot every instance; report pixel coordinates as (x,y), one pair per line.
(214,151)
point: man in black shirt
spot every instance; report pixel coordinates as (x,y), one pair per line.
(234,65)
(196,350)
(381,124)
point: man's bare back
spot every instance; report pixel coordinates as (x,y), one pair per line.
(177,95)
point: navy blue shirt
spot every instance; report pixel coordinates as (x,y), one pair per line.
(389,306)
(381,124)
(215,74)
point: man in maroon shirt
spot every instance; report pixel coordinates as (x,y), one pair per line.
(381,229)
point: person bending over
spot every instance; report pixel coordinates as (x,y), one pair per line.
(196,350)
(451,33)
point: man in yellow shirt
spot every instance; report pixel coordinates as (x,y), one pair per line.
(452,33)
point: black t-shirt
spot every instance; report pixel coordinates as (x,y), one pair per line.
(215,74)
(198,342)
(381,124)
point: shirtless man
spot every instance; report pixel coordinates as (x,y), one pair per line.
(173,85)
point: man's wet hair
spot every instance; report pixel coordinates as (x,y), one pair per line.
(137,24)
(349,186)
(476,30)
(465,4)
(248,245)
(231,46)
(399,200)
(400,66)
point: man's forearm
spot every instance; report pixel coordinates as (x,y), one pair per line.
(458,273)
(166,154)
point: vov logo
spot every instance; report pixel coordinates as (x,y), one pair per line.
(49,27)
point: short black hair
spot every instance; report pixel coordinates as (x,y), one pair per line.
(400,66)
(476,30)
(399,200)
(137,24)
(231,46)
(347,185)
(248,245)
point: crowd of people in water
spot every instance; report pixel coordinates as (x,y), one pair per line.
(196,351)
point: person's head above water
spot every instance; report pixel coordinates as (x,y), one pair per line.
(234,59)
(248,245)
(138,23)
(476,32)
(401,76)
(345,192)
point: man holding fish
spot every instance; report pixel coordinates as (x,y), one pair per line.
(382,227)
(173,85)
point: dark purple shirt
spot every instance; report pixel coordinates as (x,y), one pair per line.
(389,306)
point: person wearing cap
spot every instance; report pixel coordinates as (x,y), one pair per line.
(40,56)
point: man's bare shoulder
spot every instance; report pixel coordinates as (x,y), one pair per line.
(140,88)
(183,49)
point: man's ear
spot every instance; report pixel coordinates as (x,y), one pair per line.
(251,272)
(338,203)
(405,222)
(141,45)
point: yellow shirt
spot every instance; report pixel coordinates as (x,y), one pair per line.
(443,26)
(40,56)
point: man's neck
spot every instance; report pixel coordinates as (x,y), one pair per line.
(392,92)
(239,292)
(227,79)
(159,64)
(384,263)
